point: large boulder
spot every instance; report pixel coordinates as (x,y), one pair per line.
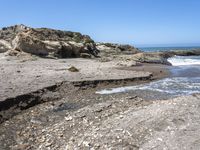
(47,42)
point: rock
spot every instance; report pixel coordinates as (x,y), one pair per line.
(85,55)
(156,57)
(12,53)
(21,146)
(69,118)
(9,33)
(183,53)
(46,42)
(48,144)
(26,43)
(105,59)
(127,63)
(73,69)
(109,49)
(4,46)
(161,57)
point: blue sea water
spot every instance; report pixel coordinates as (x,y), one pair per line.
(184,78)
(155,49)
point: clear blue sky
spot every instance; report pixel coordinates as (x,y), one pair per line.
(139,22)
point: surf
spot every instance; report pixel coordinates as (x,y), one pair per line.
(184,79)
(184,60)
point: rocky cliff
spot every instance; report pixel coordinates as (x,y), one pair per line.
(45,42)
(56,43)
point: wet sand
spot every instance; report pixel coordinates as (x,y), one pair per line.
(159,71)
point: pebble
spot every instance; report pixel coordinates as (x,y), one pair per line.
(48,144)
(68,118)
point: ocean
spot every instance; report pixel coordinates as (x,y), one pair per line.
(156,49)
(184,78)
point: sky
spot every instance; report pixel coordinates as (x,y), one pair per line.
(136,22)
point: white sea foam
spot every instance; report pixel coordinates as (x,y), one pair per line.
(173,86)
(184,60)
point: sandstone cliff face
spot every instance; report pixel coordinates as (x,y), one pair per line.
(45,42)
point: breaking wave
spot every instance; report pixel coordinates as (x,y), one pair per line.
(184,60)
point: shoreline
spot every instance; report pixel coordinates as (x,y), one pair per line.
(159,71)
(69,112)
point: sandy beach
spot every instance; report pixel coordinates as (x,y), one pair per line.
(49,89)
(49,94)
(72,116)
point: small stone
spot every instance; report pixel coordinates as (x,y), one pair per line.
(85,143)
(68,118)
(127,64)
(132,97)
(42,139)
(121,116)
(48,144)
(20,146)
(85,55)
(73,69)
(97,145)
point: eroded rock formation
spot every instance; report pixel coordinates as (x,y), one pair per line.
(46,42)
